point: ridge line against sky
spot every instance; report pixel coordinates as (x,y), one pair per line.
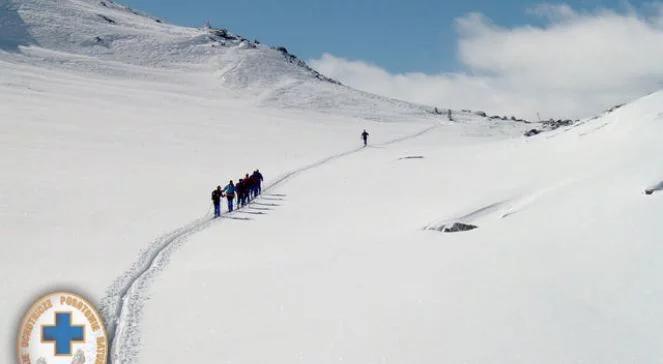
(571,59)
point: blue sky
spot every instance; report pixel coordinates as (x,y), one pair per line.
(397,35)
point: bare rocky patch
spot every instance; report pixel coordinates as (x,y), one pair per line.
(456,227)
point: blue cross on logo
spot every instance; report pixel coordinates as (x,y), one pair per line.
(63,333)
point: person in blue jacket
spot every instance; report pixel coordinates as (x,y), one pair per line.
(230,194)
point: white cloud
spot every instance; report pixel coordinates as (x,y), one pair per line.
(575,65)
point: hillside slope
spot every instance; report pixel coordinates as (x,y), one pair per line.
(102,36)
(343,262)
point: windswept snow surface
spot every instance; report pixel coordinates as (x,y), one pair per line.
(564,267)
(109,151)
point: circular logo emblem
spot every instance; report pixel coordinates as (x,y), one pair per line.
(62,328)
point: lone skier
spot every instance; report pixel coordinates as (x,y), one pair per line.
(364,136)
(216,199)
(230,194)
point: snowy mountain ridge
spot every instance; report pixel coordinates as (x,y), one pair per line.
(105,37)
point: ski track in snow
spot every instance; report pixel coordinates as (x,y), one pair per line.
(501,209)
(122,307)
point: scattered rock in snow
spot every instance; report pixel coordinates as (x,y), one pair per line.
(107,19)
(546,125)
(222,33)
(294,60)
(655,188)
(553,124)
(456,227)
(412,157)
(532,132)
(505,118)
(614,108)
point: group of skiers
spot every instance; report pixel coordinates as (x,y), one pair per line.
(244,190)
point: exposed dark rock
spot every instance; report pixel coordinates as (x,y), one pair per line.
(656,188)
(554,124)
(532,132)
(294,60)
(505,118)
(222,33)
(412,157)
(107,19)
(615,108)
(457,227)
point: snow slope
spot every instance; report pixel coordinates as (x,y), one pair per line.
(110,148)
(564,266)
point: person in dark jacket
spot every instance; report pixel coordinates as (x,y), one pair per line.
(249,187)
(216,199)
(241,190)
(257,184)
(364,136)
(230,194)
(247,191)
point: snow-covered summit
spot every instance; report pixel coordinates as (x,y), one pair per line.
(102,36)
(105,30)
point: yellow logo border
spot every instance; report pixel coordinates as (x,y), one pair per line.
(58,294)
